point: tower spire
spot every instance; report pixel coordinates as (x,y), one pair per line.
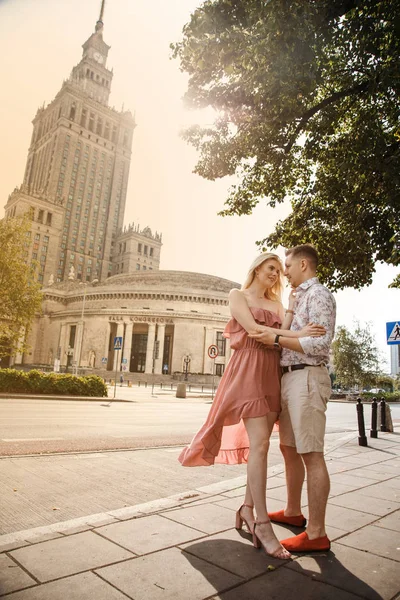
(99,24)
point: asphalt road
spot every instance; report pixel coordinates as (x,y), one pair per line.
(51,426)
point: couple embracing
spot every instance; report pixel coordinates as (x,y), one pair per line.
(278,371)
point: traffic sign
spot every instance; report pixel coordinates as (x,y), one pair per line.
(393,333)
(104,360)
(213,351)
(117,343)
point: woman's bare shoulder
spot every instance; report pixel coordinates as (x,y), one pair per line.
(236,293)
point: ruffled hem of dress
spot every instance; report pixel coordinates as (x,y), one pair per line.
(238,456)
(209,450)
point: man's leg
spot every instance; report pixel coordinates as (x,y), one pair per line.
(294,471)
(318,486)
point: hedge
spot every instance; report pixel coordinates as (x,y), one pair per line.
(36,382)
(388,396)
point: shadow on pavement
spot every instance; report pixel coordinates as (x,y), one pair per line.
(266,578)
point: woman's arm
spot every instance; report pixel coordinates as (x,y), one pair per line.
(241,312)
(287,320)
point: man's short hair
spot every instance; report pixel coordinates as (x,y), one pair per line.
(304,251)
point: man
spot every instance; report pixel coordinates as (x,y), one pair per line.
(305,390)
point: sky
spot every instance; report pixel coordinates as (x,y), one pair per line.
(40,42)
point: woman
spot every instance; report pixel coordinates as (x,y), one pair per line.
(247,403)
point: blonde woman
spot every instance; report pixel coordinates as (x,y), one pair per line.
(247,403)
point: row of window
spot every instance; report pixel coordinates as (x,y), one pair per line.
(146,250)
(101,81)
(95,124)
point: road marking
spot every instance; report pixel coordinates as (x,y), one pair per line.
(32,439)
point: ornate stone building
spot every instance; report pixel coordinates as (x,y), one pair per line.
(162,317)
(101,280)
(76,179)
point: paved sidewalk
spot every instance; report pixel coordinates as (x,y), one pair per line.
(186,548)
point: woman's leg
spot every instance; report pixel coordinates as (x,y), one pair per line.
(259,431)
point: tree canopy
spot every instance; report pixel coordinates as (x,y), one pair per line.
(307,97)
(356,357)
(20,296)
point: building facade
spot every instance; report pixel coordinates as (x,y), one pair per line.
(163,318)
(101,279)
(76,175)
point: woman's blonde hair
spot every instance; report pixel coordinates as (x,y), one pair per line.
(274,293)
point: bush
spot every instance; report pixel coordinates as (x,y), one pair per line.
(36,382)
(388,396)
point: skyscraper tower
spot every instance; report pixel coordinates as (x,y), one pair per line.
(76,174)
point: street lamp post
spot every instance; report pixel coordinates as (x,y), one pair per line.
(186,361)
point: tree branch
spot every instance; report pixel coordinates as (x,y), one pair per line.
(357,89)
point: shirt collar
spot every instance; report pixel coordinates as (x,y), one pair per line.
(308,283)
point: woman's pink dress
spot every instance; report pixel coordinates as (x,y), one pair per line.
(250,387)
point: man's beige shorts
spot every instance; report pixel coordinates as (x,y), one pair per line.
(304,395)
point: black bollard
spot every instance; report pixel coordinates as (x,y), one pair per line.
(383,414)
(374,419)
(362,438)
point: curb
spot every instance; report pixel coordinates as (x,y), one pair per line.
(36,534)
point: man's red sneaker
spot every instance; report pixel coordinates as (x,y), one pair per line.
(302,543)
(279,517)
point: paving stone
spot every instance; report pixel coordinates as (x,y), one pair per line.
(209,518)
(208,500)
(285,584)
(337,466)
(370,577)
(68,555)
(149,534)
(235,493)
(375,540)
(78,587)
(234,504)
(233,551)
(382,468)
(358,501)
(12,577)
(349,479)
(345,518)
(43,537)
(280,493)
(390,522)
(13,546)
(376,475)
(168,575)
(340,488)
(383,491)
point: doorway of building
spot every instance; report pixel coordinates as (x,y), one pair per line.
(138,356)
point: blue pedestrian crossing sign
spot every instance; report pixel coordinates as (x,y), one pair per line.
(117,343)
(393,333)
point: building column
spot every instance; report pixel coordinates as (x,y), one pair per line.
(151,334)
(106,345)
(158,368)
(62,344)
(79,343)
(118,353)
(128,345)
